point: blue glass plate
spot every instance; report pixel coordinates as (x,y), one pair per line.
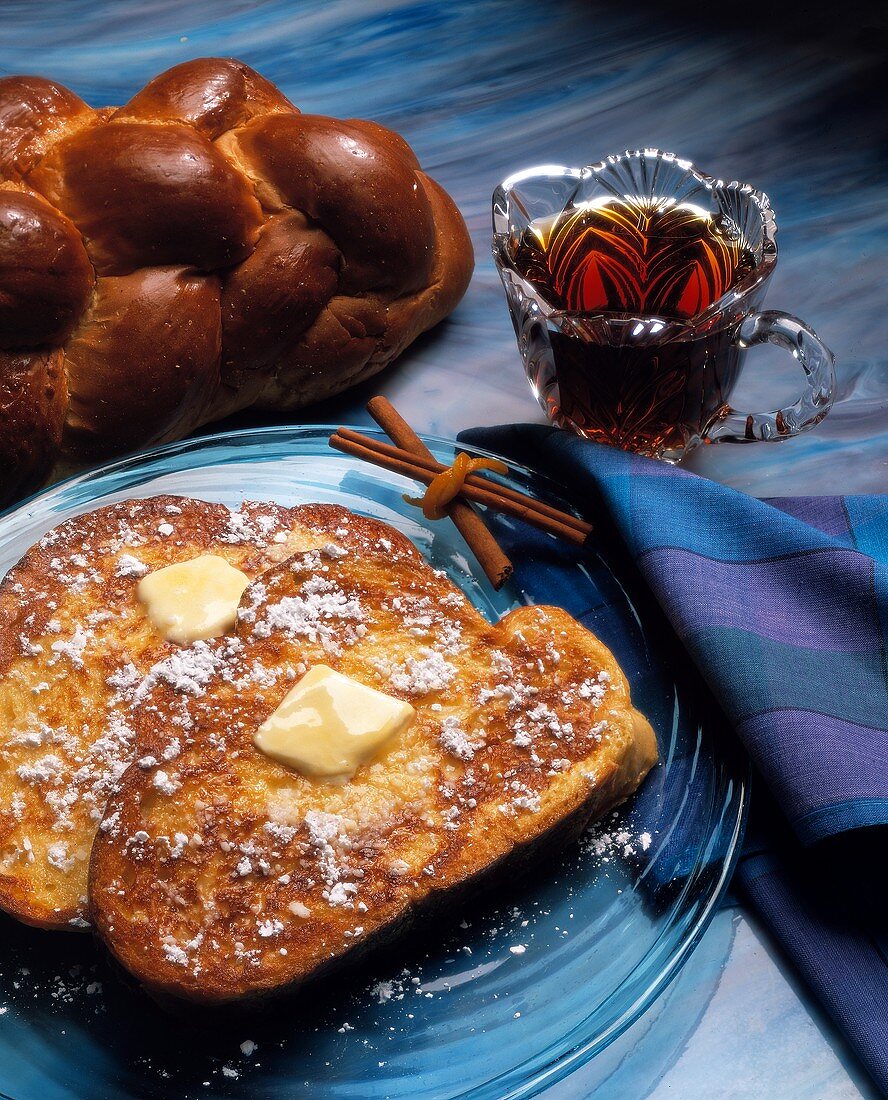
(455,1011)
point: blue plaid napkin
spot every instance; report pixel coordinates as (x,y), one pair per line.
(783,605)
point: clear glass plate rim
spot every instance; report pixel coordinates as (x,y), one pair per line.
(565,1064)
(183,446)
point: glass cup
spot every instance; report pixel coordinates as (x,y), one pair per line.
(634,286)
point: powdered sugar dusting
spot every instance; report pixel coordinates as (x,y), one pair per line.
(321,612)
(430,671)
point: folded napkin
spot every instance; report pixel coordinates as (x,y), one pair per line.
(783,605)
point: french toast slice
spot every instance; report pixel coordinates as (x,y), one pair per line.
(73,636)
(223,875)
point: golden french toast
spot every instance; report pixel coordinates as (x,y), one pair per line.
(220,874)
(74,645)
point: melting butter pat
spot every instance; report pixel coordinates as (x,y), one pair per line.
(193,600)
(327,725)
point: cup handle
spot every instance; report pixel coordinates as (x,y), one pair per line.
(818,363)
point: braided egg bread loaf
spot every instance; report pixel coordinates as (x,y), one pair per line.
(203,249)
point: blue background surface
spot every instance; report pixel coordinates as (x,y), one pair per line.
(787,98)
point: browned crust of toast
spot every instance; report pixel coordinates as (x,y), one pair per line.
(195,875)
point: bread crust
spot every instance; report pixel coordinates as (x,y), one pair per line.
(46,278)
(202,858)
(33,404)
(233,878)
(311,251)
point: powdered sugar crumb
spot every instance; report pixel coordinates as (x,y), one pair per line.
(129,566)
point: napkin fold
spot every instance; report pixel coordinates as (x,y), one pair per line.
(783,606)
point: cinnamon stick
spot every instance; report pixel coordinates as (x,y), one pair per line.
(470,525)
(404,463)
(477,481)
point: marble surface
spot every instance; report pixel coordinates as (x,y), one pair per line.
(785,100)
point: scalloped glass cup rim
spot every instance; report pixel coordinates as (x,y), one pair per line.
(729,303)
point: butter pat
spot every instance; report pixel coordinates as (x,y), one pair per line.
(193,600)
(328,724)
